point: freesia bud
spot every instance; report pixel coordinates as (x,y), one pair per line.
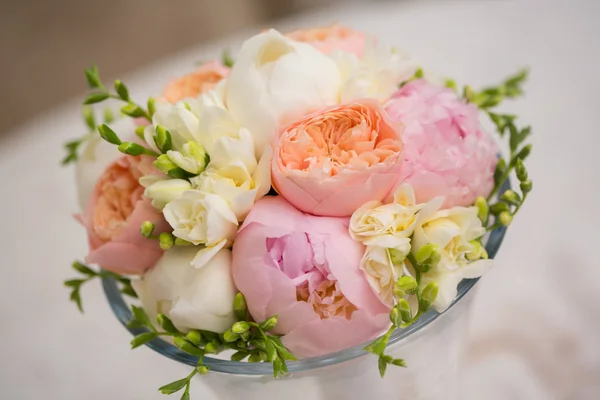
(163,192)
(477,252)
(407,284)
(211,347)
(239,306)
(405,311)
(195,337)
(269,324)
(230,336)
(147,228)
(163,139)
(166,240)
(203,369)
(151,106)
(192,157)
(526,186)
(397,256)
(240,327)
(181,242)
(499,207)
(139,132)
(428,296)
(505,218)
(520,170)
(511,197)
(483,209)
(164,164)
(395,317)
(134,149)
(428,257)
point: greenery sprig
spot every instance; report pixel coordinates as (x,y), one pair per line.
(89,274)
(249,339)
(72,147)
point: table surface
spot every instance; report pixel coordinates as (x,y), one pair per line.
(534,327)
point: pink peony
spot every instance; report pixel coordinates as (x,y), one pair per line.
(113,216)
(305,269)
(333,37)
(446,152)
(202,80)
(335,160)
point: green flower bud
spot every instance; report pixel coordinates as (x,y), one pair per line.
(195,337)
(428,295)
(269,324)
(192,157)
(499,207)
(399,362)
(188,347)
(505,218)
(526,186)
(239,306)
(109,116)
(525,151)
(164,164)
(96,97)
(134,149)
(520,170)
(139,132)
(203,369)
(511,197)
(121,90)
(407,284)
(212,347)
(397,256)
(263,356)
(478,251)
(166,240)
(240,327)
(229,336)
(151,106)
(109,135)
(427,257)
(165,323)
(483,209)
(163,139)
(133,110)
(419,73)
(405,311)
(181,242)
(395,317)
(147,228)
(246,335)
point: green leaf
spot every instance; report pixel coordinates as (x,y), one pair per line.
(139,314)
(109,135)
(239,356)
(93,77)
(254,357)
(74,282)
(165,323)
(122,90)
(382,366)
(75,297)
(84,269)
(186,396)
(283,352)
(277,367)
(88,117)
(522,154)
(133,110)
(133,324)
(143,339)
(378,345)
(398,362)
(188,347)
(95,97)
(518,78)
(173,387)
(271,351)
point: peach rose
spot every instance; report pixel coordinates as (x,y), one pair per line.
(333,161)
(202,80)
(113,216)
(329,38)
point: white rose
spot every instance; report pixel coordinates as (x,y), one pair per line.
(201,218)
(390,225)
(375,75)
(276,79)
(165,191)
(96,155)
(452,230)
(381,273)
(193,298)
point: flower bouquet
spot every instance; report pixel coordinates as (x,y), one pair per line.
(319,193)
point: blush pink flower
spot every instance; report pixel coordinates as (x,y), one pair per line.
(333,37)
(113,215)
(202,80)
(305,269)
(335,160)
(446,152)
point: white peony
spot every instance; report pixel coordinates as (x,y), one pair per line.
(375,75)
(193,298)
(201,218)
(276,79)
(452,230)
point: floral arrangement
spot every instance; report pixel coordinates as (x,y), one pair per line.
(317,193)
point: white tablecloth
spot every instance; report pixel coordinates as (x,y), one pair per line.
(535,324)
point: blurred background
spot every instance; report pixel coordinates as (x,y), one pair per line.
(46,44)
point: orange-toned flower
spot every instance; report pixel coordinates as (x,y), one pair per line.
(333,161)
(330,38)
(200,81)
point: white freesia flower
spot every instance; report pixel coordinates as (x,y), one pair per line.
(165,191)
(193,298)
(381,273)
(391,225)
(452,230)
(201,218)
(276,79)
(375,75)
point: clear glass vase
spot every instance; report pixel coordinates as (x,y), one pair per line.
(432,349)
